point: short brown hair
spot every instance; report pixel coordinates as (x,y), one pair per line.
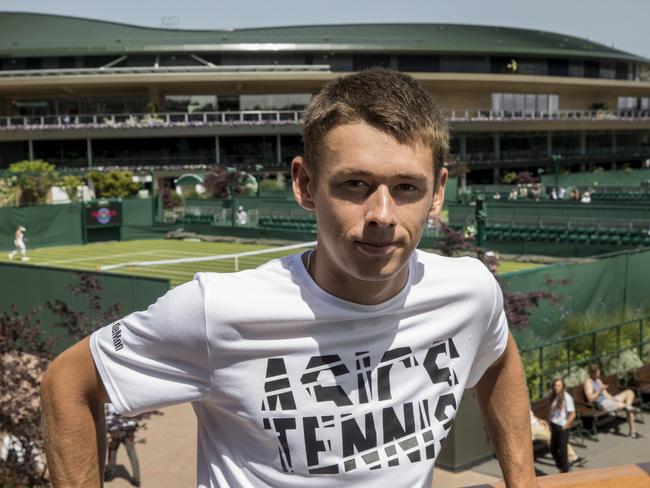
(385,99)
(593,368)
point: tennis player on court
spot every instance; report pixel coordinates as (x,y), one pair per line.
(343,366)
(19,243)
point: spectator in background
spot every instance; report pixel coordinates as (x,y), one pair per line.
(596,392)
(554,194)
(513,194)
(121,430)
(242,216)
(562,193)
(562,414)
(542,432)
(586,197)
(496,196)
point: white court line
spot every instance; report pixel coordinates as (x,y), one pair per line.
(94,258)
(208,258)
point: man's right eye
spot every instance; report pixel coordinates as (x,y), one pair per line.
(354,184)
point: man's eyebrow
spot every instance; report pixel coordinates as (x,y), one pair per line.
(351,172)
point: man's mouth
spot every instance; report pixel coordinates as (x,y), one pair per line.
(376,248)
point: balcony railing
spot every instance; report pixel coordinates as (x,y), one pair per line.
(277,117)
(253,68)
(478,115)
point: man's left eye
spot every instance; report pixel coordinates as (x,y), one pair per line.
(407,187)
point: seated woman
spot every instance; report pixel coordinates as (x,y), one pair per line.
(596,392)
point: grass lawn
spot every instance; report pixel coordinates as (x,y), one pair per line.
(508,266)
(91,256)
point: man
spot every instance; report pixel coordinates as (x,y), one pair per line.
(343,366)
(596,392)
(19,242)
(542,432)
(242,216)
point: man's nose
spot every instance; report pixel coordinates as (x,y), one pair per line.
(381,208)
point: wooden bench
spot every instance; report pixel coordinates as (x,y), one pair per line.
(615,387)
(589,410)
(641,385)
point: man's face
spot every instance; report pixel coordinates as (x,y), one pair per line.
(372,196)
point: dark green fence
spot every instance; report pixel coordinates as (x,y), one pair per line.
(28,287)
(603,285)
(561,357)
(47,225)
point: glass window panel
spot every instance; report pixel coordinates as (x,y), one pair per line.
(542,103)
(497,102)
(530,103)
(508,102)
(520,102)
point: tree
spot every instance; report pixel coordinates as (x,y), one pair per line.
(217,182)
(114,184)
(35,179)
(171,199)
(518,305)
(70,185)
(25,353)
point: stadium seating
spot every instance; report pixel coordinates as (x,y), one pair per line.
(557,233)
(285,222)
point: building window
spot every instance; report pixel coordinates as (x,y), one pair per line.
(634,103)
(516,103)
(280,101)
(627,103)
(191,103)
(365,61)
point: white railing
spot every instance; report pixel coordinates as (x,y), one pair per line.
(141,120)
(162,69)
(280,117)
(478,115)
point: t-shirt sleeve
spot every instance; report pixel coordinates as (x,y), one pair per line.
(570,405)
(157,357)
(494,339)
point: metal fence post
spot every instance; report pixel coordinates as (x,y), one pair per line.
(541,372)
(641,339)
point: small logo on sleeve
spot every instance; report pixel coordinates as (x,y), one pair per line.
(117,336)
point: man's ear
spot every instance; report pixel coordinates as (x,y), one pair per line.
(301,181)
(439,195)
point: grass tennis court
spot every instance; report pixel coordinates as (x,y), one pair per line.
(90,257)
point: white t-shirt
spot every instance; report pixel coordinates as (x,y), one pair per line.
(560,416)
(294,387)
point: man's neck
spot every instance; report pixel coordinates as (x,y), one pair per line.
(347,288)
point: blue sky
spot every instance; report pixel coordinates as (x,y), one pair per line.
(623,23)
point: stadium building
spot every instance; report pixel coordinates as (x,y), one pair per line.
(82,93)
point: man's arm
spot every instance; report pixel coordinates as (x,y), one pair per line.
(72,398)
(503,399)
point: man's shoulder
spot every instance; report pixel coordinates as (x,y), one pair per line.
(438,267)
(269,276)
